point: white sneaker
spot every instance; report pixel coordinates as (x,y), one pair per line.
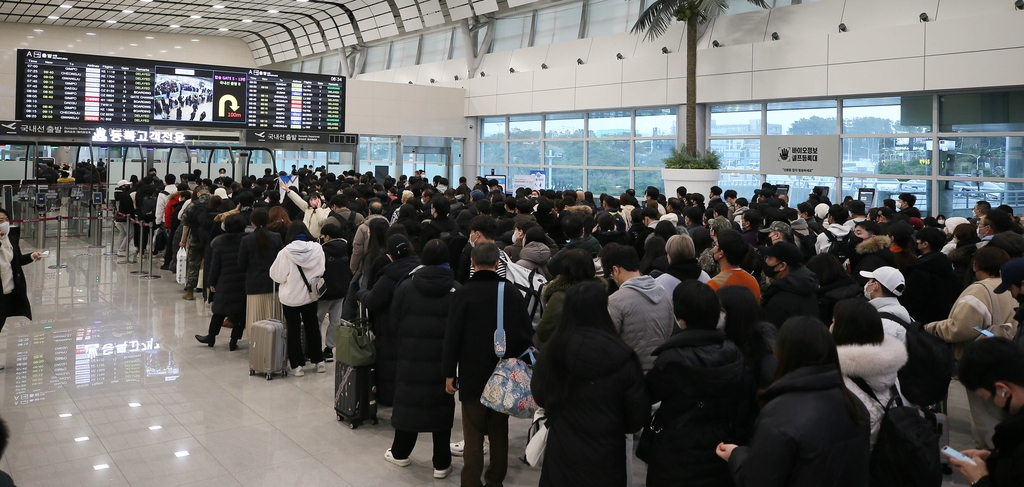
(321,367)
(297,372)
(459,447)
(405,462)
(441,474)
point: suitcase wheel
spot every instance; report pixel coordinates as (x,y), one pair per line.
(339,417)
(252,372)
(352,425)
(270,376)
(373,421)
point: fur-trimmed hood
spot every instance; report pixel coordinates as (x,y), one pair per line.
(876,364)
(581,211)
(873,244)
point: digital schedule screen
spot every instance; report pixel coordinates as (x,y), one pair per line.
(63,87)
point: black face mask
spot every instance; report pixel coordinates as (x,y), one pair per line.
(770,271)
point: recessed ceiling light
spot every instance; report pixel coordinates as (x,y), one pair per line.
(64,415)
(66,6)
(111,21)
(195,16)
(127,11)
(246,21)
(223,29)
(37,30)
(271,11)
(154,428)
(165,50)
(301,1)
(53,17)
(71,45)
(149,37)
(101,466)
(31,37)
(134,404)
(149,55)
(179,454)
(195,40)
(218,6)
(177,47)
(175,26)
(82,438)
(90,33)
(134,45)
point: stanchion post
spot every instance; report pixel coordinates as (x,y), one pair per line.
(142,258)
(58,265)
(112,225)
(41,231)
(152,245)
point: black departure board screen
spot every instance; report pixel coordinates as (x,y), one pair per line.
(65,87)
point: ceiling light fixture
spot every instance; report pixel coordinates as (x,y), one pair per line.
(195,16)
(842,27)
(218,6)
(64,415)
(134,45)
(179,454)
(135,404)
(53,17)
(81,438)
(31,37)
(271,11)
(246,21)
(127,11)
(177,47)
(90,33)
(154,428)
(66,6)
(101,466)
(174,26)
(195,40)
(924,17)
(111,21)
(223,29)
(149,37)
(37,30)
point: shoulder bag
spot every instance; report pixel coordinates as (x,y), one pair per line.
(508,389)
(316,286)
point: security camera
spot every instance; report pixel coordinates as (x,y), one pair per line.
(545,66)
(775,36)
(924,17)
(618,56)
(1019,4)
(483,74)
(579,61)
(456,77)
(664,50)
(716,44)
(511,70)
(842,27)
(432,81)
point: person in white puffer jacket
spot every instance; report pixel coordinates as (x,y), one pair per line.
(299,307)
(868,355)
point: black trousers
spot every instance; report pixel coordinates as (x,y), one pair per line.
(237,320)
(405,441)
(298,319)
(6,303)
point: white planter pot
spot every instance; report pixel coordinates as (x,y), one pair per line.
(696,180)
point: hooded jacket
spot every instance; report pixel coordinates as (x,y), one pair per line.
(588,243)
(877,364)
(930,290)
(641,311)
(973,308)
(587,428)
(870,254)
(1009,241)
(535,255)
(823,244)
(793,295)
(678,272)
(284,271)
(892,328)
(962,258)
(361,243)
(804,436)
(699,371)
(337,275)
(419,317)
(553,296)
(800,226)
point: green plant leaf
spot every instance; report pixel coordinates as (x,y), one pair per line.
(681,160)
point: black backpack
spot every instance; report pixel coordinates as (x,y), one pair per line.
(925,378)
(348,228)
(456,243)
(840,246)
(807,244)
(906,453)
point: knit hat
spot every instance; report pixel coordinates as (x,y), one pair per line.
(477,195)
(953,222)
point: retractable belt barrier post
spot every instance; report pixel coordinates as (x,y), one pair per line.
(142,228)
(58,265)
(152,245)
(113,224)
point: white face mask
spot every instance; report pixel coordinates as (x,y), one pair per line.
(721,320)
(941,222)
(471,242)
(867,294)
(516,237)
(5,227)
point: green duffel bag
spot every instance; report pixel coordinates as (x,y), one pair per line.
(355,344)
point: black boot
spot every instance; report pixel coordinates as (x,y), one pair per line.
(207,339)
(233,345)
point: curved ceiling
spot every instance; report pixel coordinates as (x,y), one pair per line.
(275,30)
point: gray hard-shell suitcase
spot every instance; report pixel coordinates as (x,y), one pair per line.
(267,349)
(355,394)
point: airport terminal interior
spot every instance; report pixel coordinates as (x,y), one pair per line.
(106,385)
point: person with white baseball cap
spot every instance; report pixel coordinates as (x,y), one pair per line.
(885,285)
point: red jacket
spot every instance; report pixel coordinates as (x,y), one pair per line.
(169,210)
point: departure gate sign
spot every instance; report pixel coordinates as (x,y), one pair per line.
(78,88)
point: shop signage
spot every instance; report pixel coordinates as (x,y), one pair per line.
(800,155)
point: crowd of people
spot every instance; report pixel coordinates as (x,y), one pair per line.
(753,342)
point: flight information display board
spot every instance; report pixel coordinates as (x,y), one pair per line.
(63,87)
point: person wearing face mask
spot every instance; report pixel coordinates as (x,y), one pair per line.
(572,226)
(519,240)
(993,371)
(792,291)
(981,304)
(884,285)
(14,296)
(440,224)
(314,213)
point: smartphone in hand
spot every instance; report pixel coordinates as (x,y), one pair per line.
(951,453)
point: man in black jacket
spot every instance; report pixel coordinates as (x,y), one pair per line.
(337,276)
(440,223)
(931,290)
(792,293)
(993,369)
(469,350)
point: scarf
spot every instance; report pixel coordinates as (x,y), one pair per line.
(895,248)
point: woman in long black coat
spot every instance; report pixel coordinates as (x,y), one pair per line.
(590,384)
(378,301)
(419,314)
(227,280)
(15,302)
(256,254)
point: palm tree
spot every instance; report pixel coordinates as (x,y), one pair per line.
(656,19)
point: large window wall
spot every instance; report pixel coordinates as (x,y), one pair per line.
(605,152)
(949,150)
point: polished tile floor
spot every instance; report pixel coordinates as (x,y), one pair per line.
(107,386)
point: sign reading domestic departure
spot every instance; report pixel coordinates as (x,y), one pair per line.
(77,88)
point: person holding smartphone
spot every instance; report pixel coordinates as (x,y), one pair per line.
(14,296)
(992,369)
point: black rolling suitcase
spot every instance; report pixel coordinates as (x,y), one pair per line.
(355,394)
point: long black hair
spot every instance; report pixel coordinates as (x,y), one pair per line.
(259,218)
(804,341)
(585,306)
(742,314)
(297,231)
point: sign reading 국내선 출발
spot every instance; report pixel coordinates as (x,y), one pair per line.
(800,155)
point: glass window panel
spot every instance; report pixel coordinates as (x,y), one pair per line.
(403,53)
(492,128)
(296,67)
(608,153)
(511,33)
(562,179)
(989,157)
(564,125)
(557,24)
(311,66)
(606,17)
(376,58)
(458,51)
(330,64)
(643,179)
(491,170)
(609,124)
(524,153)
(892,115)
(611,181)
(958,197)
(982,112)
(804,117)
(739,120)
(738,154)
(563,153)
(659,122)
(435,46)
(492,152)
(887,156)
(652,153)
(744,184)
(524,127)
(890,189)
(800,186)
